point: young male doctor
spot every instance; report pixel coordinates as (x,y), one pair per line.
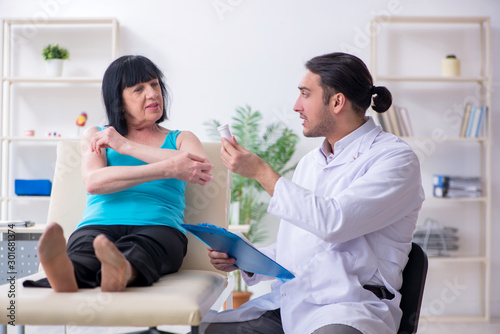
(347,216)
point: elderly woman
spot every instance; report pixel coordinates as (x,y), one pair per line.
(135,172)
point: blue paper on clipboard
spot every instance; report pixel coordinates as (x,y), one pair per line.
(248,258)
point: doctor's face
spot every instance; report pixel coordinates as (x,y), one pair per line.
(318,121)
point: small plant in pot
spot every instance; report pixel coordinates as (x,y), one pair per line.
(275,144)
(54,56)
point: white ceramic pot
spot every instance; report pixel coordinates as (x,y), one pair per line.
(450,67)
(54,67)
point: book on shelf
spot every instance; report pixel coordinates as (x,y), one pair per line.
(385,122)
(395,120)
(472,183)
(480,129)
(444,192)
(454,186)
(473,121)
(465,119)
(405,121)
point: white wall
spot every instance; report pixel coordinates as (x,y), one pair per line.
(220,54)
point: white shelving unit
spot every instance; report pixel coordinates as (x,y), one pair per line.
(406,55)
(22,42)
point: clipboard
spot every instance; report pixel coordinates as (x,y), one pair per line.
(248,258)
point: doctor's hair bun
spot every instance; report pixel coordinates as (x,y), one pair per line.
(382,98)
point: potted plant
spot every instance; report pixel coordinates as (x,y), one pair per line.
(54,56)
(275,144)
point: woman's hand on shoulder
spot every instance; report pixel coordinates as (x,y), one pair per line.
(108,137)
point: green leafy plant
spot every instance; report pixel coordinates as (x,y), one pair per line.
(275,144)
(55,52)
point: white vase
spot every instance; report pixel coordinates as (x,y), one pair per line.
(450,67)
(54,67)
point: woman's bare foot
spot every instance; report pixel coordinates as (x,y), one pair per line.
(55,260)
(116,271)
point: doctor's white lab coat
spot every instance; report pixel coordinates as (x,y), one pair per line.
(346,221)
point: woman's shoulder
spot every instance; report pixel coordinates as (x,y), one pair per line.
(185,134)
(179,135)
(186,137)
(90,131)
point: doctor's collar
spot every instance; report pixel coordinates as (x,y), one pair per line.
(343,143)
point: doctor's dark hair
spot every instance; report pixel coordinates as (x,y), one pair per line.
(124,72)
(347,74)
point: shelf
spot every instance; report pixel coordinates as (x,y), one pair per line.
(475,83)
(458,259)
(82,21)
(456,199)
(30,198)
(15,76)
(62,80)
(432,79)
(38,139)
(461,318)
(436,19)
(448,139)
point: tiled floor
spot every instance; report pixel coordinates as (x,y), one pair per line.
(492,327)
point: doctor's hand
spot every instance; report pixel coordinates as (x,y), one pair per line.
(248,164)
(221,261)
(239,160)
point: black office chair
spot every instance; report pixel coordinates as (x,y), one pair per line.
(412,289)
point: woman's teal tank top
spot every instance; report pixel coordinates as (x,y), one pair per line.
(159,202)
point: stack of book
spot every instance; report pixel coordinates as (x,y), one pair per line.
(395,120)
(452,186)
(436,240)
(473,121)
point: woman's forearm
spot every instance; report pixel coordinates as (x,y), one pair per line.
(117,178)
(148,154)
(183,166)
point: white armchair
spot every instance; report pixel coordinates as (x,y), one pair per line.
(176,299)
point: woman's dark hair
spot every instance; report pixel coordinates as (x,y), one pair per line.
(124,72)
(347,74)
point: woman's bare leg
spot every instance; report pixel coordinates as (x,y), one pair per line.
(116,270)
(55,260)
